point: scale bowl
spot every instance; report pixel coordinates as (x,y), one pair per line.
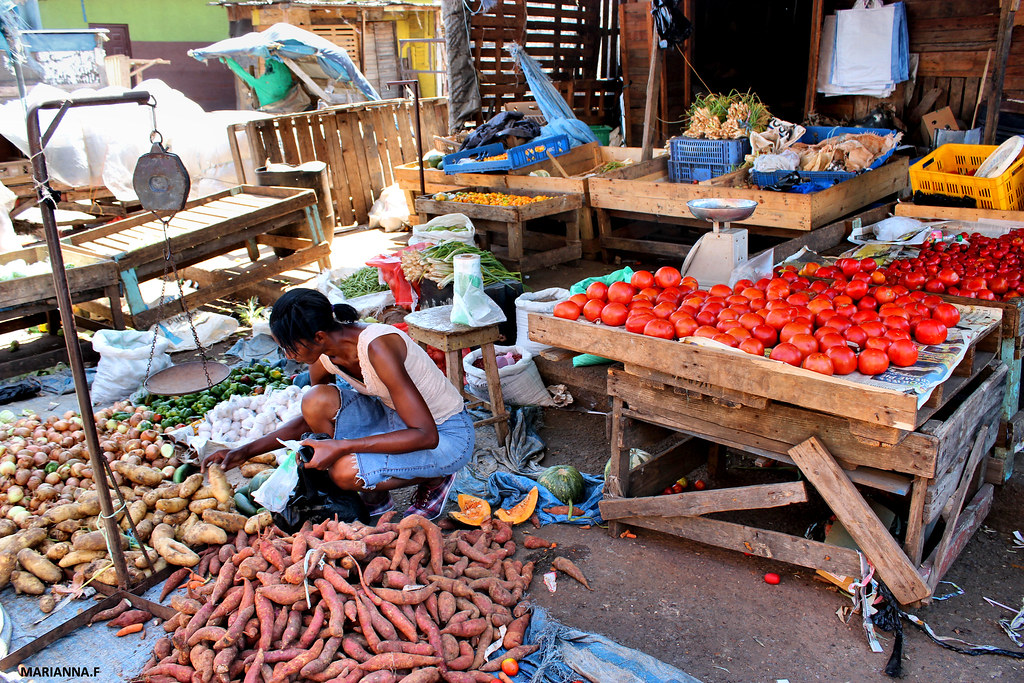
(722,210)
(186,378)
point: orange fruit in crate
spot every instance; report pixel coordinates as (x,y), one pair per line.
(520,512)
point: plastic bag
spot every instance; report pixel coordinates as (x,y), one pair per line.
(535,302)
(429,234)
(316,498)
(390,212)
(124,358)
(210,328)
(622,275)
(278,487)
(470,305)
(521,383)
(756,268)
(390,266)
(368,304)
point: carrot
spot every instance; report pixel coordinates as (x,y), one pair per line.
(566,566)
(515,632)
(392,661)
(131,628)
(515,653)
(115,611)
(534,542)
(135,616)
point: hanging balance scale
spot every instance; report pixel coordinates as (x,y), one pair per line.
(162,185)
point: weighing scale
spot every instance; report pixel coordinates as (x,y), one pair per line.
(714,256)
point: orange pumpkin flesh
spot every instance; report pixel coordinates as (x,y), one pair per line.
(522,511)
(472,510)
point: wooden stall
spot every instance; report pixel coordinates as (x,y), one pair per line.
(503,229)
(653,199)
(239,218)
(840,434)
(360,144)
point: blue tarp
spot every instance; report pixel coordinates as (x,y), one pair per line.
(285,40)
(505,489)
(559,116)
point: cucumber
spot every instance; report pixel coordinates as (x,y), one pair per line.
(243,505)
(181,474)
(259,480)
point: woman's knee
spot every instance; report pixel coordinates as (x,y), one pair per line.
(344,474)
(320,404)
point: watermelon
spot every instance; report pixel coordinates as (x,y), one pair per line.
(564,482)
(637,457)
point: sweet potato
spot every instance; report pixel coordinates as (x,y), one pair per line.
(179,672)
(430,674)
(135,616)
(534,542)
(321,662)
(252,566)
(392,661)
(566,566)
(228,521)
(38,565)
(402,624)
(445,606)
(185,605)
(312,630)
(273,556)
(515,653)
(515,632)
(265,614)
(222,664)
(352,647)
(211,633)
(253,674)
(245,610)
(382,676)
(286,594)
(116,610)
(403,597)
(225,577)
(292,628)
(173,581)
(467,629)
(336,606)
(334,671)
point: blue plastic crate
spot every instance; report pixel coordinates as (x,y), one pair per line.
(689,173)
(531,153)
(814,135)
(695,151)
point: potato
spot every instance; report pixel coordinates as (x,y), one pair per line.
(191,484)
(159,564)
(39,566)
(46,604)
(202,533)
(11,545)
(264,459)
(172,505)
(140,474)
(201,505)
(27,583)
(251,469)
(77,557)
(258,523)
(227,521)
(158,517)
(57,551)
(151,497)
(202,493)
(68,526)
(222,490)
(101,571)
(95,540)
(87,504)
(179,532)
(144,529)
(7,527)
(174,552)
(176,518)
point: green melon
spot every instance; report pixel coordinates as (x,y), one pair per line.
(637,457)
(565,483)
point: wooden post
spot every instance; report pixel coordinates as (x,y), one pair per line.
(653,78)
(1007,12)
(812,60)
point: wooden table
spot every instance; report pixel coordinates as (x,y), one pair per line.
(241,217)
(652,199)
(840,434)
(503,229)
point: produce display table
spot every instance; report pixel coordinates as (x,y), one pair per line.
(210,226)
(838,433)
(506,225)
(653,199)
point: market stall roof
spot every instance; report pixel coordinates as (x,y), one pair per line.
(288,42)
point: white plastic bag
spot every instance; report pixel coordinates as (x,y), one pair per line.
(8,239)
(390,212)
(210,328)
(278,487)
(470,304)
(535,302)
(124,357)
(460,230)
(521,383)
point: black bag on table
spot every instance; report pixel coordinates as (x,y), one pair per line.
(316,498)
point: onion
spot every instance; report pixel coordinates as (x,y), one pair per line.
(78,436)
(15,494)
(150,435)
(152,452)
(61,426)
(40,459)
(33,483)
(25,462)
(21,477)
(52,478)
(46,492)
(168,471)
(133,434)
(8,468)
(67,442)
(73,482)
(122,428)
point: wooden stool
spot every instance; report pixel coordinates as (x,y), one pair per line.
(433,327)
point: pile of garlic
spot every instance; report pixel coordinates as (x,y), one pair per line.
(244,418)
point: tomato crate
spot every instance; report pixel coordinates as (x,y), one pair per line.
(948,171)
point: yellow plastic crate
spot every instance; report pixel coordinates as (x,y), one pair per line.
(945,171)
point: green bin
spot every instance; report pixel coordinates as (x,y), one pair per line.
(602,133)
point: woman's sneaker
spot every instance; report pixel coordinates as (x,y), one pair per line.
(377,502)
(431,496)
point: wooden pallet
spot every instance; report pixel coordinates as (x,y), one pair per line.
(217,224)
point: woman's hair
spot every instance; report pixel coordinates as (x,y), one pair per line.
(300,313)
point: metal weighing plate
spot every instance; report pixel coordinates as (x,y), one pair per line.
(722,210)
(186,378)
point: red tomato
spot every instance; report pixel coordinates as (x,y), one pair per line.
(662,329)
(805,343)
(642,279)
(663,310)
(896,322)
(948,277)
(903,353)
(849,266)
(592,311)
(640,302)
(706,317)
(739,332)
(726,325)
(753,346)
(597,290)
(667,276)
(934,285)
(637,322)
(650,293)
(716,290)
(880,343)
(872,362)
(579,299)
(789,330)
(706,331)
(877,277)
(930,332)
(621,292)
(509,666)
(830,339)
(844,360)
(841,323)
(947,314)
(685,327)
(798,299)
(765,334)
(873,328)
(883,295)
(771,577)
(856,289)
(614,314)
(751,320)
(857,335)
(818,362)
(861,317)
(787,353)
(752,293)
(867,265)
(567,310)
(726,339)
(779,317)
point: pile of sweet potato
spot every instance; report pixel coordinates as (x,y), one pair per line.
(348,602)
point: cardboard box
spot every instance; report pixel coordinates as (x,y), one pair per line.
(940,119)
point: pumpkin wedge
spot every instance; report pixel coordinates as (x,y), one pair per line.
(472,510)
(520,512)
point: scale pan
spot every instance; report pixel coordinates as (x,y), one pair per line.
(186,378)
(722,210)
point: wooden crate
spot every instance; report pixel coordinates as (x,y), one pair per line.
(657,199)
(85,272)
(210,226)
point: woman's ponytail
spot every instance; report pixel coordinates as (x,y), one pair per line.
(344,313)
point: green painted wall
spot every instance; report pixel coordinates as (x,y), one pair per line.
(148,20)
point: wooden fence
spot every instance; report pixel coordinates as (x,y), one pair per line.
(360,143)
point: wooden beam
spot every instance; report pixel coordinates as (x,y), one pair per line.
(860,521)
(653,79)
(1007,12)
(706,502)
(952,510)
(817,11)
(966,524)
(306,80)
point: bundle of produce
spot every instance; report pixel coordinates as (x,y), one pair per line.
(350,602)
(436,264)
(726,117)
(831,327)
(488,198)
(364,281)
(244,418)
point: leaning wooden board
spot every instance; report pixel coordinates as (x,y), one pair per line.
(742,374)
(660,199)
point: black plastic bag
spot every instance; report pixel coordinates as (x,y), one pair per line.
(505,123)
(673,26)
(18,391)
(316,498)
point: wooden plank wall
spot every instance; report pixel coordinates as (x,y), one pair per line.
(952,38)
(1013,86)
(637,29)
(360,144)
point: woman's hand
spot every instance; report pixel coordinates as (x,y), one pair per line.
(228,458)
(326,452)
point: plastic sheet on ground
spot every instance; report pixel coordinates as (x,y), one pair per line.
(259,347)
(505,489)
(568,654)
(521,454)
